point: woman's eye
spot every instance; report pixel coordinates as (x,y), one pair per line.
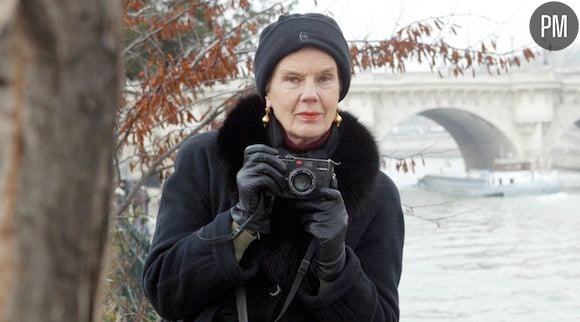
(291,79)
(325,78)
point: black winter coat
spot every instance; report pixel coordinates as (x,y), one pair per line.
(188,279)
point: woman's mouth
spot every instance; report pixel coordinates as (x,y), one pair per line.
(309,116)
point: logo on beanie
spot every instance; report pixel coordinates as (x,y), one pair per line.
(303,36)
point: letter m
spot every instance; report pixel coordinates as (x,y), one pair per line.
(560,27)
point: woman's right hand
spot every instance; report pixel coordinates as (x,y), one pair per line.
(262,177)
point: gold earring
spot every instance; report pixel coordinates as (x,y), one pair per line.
(266,118)
(338,119)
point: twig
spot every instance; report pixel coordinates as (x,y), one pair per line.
(410,211)
(153,32)
(160,159)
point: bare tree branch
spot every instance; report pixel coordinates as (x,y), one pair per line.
(410,211)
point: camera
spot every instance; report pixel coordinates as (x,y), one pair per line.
(306,175)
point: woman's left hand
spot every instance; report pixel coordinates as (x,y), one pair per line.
(325,218)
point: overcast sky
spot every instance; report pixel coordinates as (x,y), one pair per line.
(375,19)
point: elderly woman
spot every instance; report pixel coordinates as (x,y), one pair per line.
(282,214)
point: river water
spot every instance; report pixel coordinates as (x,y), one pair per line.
(490,259)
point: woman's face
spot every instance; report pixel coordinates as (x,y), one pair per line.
(303,93)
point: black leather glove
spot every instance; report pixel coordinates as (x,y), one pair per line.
(260,179)
(326,219)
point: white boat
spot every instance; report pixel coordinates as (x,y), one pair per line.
(508,178)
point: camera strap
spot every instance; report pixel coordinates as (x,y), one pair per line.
(225,237)
(241,301)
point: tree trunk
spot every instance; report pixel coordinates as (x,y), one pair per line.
(59,87)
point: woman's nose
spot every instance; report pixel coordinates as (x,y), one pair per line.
(310,92)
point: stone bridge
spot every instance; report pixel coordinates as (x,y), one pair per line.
(531,114)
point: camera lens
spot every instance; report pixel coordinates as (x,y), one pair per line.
(301,181)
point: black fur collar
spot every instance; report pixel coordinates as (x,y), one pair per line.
(357,151)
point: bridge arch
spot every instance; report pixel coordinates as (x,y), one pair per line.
(565,150)
(566,121)
(479,141)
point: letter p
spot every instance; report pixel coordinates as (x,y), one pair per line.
(546,23)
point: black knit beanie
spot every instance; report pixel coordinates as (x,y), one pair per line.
(293,32)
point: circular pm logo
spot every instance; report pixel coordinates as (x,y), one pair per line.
(554,26)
